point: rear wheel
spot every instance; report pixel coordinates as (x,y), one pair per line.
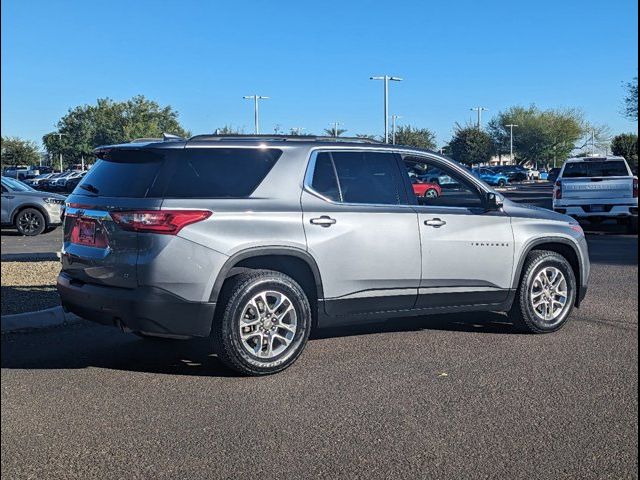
(501,183)
(264,323)
(546,294)
(431,193)
(30,222)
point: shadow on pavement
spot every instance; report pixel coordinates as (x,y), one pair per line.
(87,345)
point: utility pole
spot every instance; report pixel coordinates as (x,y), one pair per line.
(479,110)
(511,126)
(393,127)
(256,116)
(593,142)
(386,79)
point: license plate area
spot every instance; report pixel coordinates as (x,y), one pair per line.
(597,208)
(88,232)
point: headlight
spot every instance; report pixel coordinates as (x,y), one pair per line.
(54,201)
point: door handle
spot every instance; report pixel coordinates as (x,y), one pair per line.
(435,223)
(323,221)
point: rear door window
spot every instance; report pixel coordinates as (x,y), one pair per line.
(369,177)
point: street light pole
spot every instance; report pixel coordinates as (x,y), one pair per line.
(479,110)
(386,79)
(256,115)
(511,126)
(393,128)
(335,128)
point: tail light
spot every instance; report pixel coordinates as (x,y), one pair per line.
(635,188)
(558,190)
(167,222)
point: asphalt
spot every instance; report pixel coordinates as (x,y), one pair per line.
(461,396)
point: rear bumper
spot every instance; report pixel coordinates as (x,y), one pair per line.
(585,211)
(144,309)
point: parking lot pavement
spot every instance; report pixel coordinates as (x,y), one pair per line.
(15,244)
(463,396)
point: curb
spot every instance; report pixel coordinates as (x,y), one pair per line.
(50,317)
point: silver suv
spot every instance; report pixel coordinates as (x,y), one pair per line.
(31,212)
(257,240)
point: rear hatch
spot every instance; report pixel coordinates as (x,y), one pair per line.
(95,249)
(598,181)
(133,194)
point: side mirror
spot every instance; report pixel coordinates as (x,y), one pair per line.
(493,201)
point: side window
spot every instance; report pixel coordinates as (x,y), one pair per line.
(368,177)
(324,178)
(437,186)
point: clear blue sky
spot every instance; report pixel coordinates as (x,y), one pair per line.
(314,60)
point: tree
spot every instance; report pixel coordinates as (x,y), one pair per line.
(229,130)
(334,132)
(108,122)
(626,145)
(416,137)
(16,151)
(631,100)
(471,146)
(547,136)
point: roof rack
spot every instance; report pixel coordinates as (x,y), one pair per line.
(284,138)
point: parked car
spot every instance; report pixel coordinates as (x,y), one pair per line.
(36,181)
(490,177)
(31,212)
(71,183)
(257,240)
(57,183)
(515,173)
(598,188)
(553,175)
(425,189)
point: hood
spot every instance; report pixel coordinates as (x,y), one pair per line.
(520,210)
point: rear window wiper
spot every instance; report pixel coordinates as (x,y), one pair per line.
(88,187)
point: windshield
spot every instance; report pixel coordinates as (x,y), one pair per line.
(595,169)
(16,185)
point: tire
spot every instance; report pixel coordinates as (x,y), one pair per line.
(251,355)
(431,193)
(502,183)
(523,312)
(632,226)
(30,222)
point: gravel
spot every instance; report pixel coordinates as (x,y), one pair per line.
(29,285)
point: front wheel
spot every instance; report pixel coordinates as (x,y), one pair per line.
(431,193)
(30,222)
(501,183)
(264,323)
(546,294)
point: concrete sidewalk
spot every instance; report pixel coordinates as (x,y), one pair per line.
(50,317)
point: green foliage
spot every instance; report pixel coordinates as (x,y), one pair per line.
(631,100)
(229,130)
(16,151)
(108,122)
(471,146)
(334,132)
(415,137)
(626,145)
(541,135)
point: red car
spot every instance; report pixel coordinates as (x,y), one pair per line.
(426,189)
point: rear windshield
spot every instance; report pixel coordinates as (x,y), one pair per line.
(595,169)
(192,173)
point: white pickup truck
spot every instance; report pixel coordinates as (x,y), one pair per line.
(598,188)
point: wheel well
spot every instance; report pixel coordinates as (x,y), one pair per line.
(567,252)
(290,265)
(35,207)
